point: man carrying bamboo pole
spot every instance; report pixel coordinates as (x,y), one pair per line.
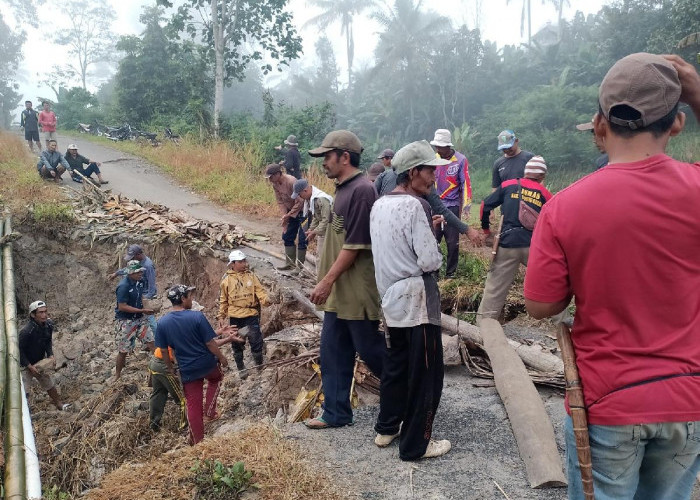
(635,333)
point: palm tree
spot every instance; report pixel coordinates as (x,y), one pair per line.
(525,13)
(342,11)
(559,5)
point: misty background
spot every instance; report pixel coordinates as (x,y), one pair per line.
(391,71)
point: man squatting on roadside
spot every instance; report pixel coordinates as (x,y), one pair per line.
(637,294)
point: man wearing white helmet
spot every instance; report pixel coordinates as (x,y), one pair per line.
(76,162)
(521,201)
(240,301)
(35,345)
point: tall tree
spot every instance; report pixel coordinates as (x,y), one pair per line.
(526,14)
(341,11)
(89,37)
(10,52)
(559,5)
(236,32)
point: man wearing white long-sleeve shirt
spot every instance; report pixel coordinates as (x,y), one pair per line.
(406,260)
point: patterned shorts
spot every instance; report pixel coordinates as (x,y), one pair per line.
(128,330)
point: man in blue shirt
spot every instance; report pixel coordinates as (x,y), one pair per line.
(150,290)
(196,347)
(131,322)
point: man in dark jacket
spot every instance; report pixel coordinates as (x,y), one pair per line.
(76,162)
(514,243)
(29,121)
(36,344)
(292,158)
(52,164)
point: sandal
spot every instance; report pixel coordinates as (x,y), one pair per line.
(208,420)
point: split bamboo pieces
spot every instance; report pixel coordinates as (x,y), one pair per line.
(577,407)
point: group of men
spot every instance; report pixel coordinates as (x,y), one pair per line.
(637,296)
(52,164)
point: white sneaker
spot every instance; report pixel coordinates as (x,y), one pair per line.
(384,440)
(437,448)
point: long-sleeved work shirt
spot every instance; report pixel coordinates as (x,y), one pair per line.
(52,159)
(283,194)
(35,342)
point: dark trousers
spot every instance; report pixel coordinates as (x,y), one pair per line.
(411,387)
(340,339)
(255,338)
(164,384)
(294,231)
(451,235)
(87,172)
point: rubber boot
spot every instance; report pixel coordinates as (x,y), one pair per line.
(242,372)
(258,358)
(290,259)
(301,258)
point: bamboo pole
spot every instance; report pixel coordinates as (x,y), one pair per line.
(577,407)
(3,340)
(15,469)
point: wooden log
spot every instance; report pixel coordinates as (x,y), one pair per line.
(530,423)
(532,356)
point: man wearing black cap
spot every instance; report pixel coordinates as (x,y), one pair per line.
(150,289)
(637,294)
(196,347)
(293,234)
(346,289)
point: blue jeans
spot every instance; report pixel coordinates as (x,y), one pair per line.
(152,323)
(638,462)
(340,339)
(87,172)
(294,229)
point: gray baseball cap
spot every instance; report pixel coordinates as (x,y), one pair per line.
(299,186)
(414,155)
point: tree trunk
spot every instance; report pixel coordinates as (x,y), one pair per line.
(528,418)
(350,47)
(218,33)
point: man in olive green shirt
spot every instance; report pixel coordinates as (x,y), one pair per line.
(346,290)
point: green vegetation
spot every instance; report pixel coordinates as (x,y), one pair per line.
(216,480)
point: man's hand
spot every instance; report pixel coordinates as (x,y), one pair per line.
(320,293)
(310,235)
(278,148)
(285,219)
(147,312)
(437,220)
(690,81)
(475,237)
(222,324)
(33,370)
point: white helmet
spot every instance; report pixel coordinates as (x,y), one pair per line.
(236,255)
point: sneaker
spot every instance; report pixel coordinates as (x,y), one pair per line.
(66,407)
(384,440)
(437,448)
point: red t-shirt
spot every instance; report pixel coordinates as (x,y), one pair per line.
(626,241)
(47,120)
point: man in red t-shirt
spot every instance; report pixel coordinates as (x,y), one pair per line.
(47,120)
(625,242)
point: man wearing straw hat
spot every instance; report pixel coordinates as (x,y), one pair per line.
(292,158)
(624,241)
(514,243)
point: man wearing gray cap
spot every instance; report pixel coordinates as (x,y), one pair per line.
(346,289)
(624,242)
(292,158)
(512,164)
(406,262)
(386,180)
(317,204)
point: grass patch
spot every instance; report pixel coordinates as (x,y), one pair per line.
(22,190)
(225,173)
(279,469)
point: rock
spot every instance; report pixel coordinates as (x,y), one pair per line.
(59,444)
(73,310)
(51,430)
